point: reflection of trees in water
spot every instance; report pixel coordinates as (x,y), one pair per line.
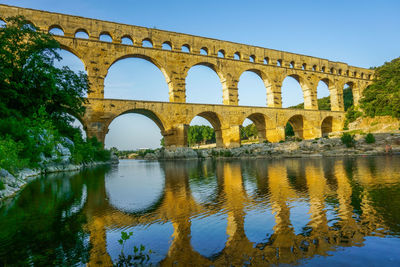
(361,193)
(40,228)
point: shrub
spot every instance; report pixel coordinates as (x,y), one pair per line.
(139,257)
(227,153)
(89,150)
(9,155)
(369,138)
(282,141)
(348,140)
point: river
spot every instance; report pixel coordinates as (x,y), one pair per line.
(324,211)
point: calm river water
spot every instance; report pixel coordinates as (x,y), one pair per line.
(343,211)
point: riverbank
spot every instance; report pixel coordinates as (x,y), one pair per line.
(12,184)
(385,143)
(60,160)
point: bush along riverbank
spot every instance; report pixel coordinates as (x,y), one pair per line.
(347,145)
(52,153)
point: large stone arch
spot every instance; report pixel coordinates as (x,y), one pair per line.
(155,117)
(215,120)
(354,90)
(81,120)
(297,122)
(153,61)
(213,67)
(75,53)
(101,129)
(261,121)
(335,94)
(210,65)
(309,92)
(266,81)
(326,126)
(147,58)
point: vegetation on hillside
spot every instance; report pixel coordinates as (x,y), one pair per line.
(36,99)
(382,97)
(324,103)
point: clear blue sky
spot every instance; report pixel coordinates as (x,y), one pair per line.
(360,33)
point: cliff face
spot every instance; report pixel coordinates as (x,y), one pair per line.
(379,124)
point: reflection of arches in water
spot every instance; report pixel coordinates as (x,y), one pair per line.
(76,207)
(122,194)
(296,175)
(255,178)
(209,241)
(303,245)
(203,181)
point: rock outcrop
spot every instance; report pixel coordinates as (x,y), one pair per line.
(333,147)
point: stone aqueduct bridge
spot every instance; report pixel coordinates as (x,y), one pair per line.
(229,60)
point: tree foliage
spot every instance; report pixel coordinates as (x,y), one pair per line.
(36,99)
(248,132)
(200,134)
(382,97)
(29,80)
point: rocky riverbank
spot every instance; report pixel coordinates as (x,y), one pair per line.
(60,161)
(321,147)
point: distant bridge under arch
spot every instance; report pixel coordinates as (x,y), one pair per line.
(175,53)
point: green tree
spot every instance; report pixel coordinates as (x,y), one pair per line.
(248,131)
(29,80)
(347,98)
(200,134)
(382,97)
(36,99)
(289,130)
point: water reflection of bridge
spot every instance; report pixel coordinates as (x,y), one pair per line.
(315,181)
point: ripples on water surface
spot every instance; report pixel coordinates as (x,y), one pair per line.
(294,211)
